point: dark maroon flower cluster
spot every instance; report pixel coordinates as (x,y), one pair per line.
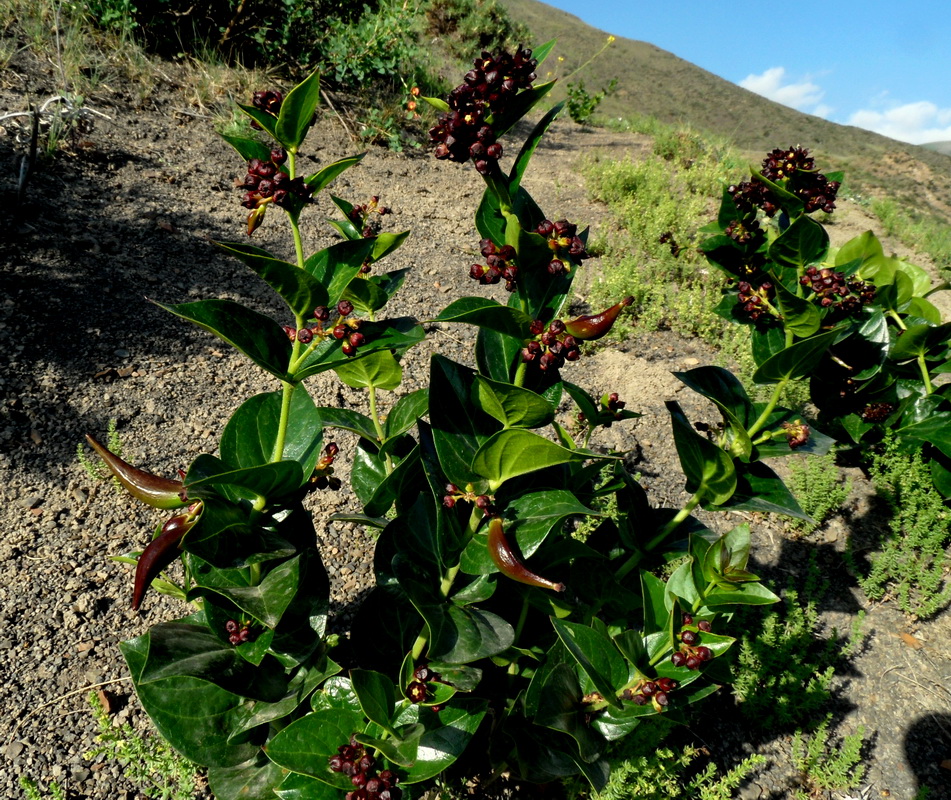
(667,237)
(754,302)
(817,192)
(362,217)
(268,101)
(781,164)
(266,182)
(488,89)
(654,692)
(417,691)
(342,328)
(552,347)
(238,632)
(797,433)
(565,244)
(454,494)
(750,195)
(499,265)
(353,761)
(745,231)
(323,477)
(691,653)
(833,289)
(878,412)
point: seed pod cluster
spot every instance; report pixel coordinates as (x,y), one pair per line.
(550,348)
(499,265)
(692,653)
(342,328)
(754,302)
(653,692)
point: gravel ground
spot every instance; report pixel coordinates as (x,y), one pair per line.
(129,216)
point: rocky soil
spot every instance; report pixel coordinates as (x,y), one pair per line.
(127,214)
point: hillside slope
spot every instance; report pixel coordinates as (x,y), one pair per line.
(654,82)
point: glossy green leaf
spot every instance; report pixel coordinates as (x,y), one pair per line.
(530,518)
(303,787)
(390,334)
(519,106)
(487,314)
(528,147)
(377,697)
(401,750)
(405,412)
(379,370)
(795,361)
(259,337)
(766,343)
(365,296)
(253,780)
(348,420)
(862,248)
(709,470)
(272,480)
(250,435)
(600,661)
(803,243)
(266,601)
(322,178)
(385,243)
(298,288)
(656,612)
(297,112)
(751,594)
(496,354)
(920,340)
(511,405)
(193,715)
(799,315)
(758,488)
(458,429)
(248,148)
(446,737)
(263,118)
(438,103)
(723,388)
(515,451)
(559,708)
(397,484)
(337,265)
(306,745)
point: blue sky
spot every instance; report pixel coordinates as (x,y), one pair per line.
(884,66)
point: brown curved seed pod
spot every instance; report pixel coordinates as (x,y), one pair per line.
(159,553)
(510,564)
(594,326)
(151,489)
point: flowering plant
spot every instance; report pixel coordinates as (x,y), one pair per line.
(492,634)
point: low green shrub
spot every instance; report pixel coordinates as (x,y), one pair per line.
(913,562)
(581,104)
(820,489)
(825,765)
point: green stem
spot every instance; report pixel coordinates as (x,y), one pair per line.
(923,366)
(898,320)
(520,372)
(770,407)
(288,392)
(637,557)
(378,426)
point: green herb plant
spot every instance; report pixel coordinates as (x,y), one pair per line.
(491,637)
(825,765)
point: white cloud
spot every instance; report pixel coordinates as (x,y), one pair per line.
(917,123)
(803,96)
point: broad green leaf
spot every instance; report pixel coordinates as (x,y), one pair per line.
(656,612)
(297,112)
(722,387)
(766,343)
(401,750)
(263,118)
(273,480)
(519,106)
(790,203)
(511,405)
(301,291)
(248,148)
(528,148)
(799,315)
(266,601)
(515,451)
(458,429)
(599,660)
(259,337)
(306,745)
(487,314)
(385,243)
(446,737)
(862,248)
(379,370)
(348,420)
(803,243)
(193,715)
(709,470)
(559,708)
(795,361)
(438,103)
(365,296)
(530,520)
(302,787)
(395,485)
(496,354)
(256,779)
(405,412)
(752,594)
(322,178)
(920,340)
(250,435)
(758,488)
(337,265)
(377,697)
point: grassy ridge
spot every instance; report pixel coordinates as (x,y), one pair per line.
(654,82)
